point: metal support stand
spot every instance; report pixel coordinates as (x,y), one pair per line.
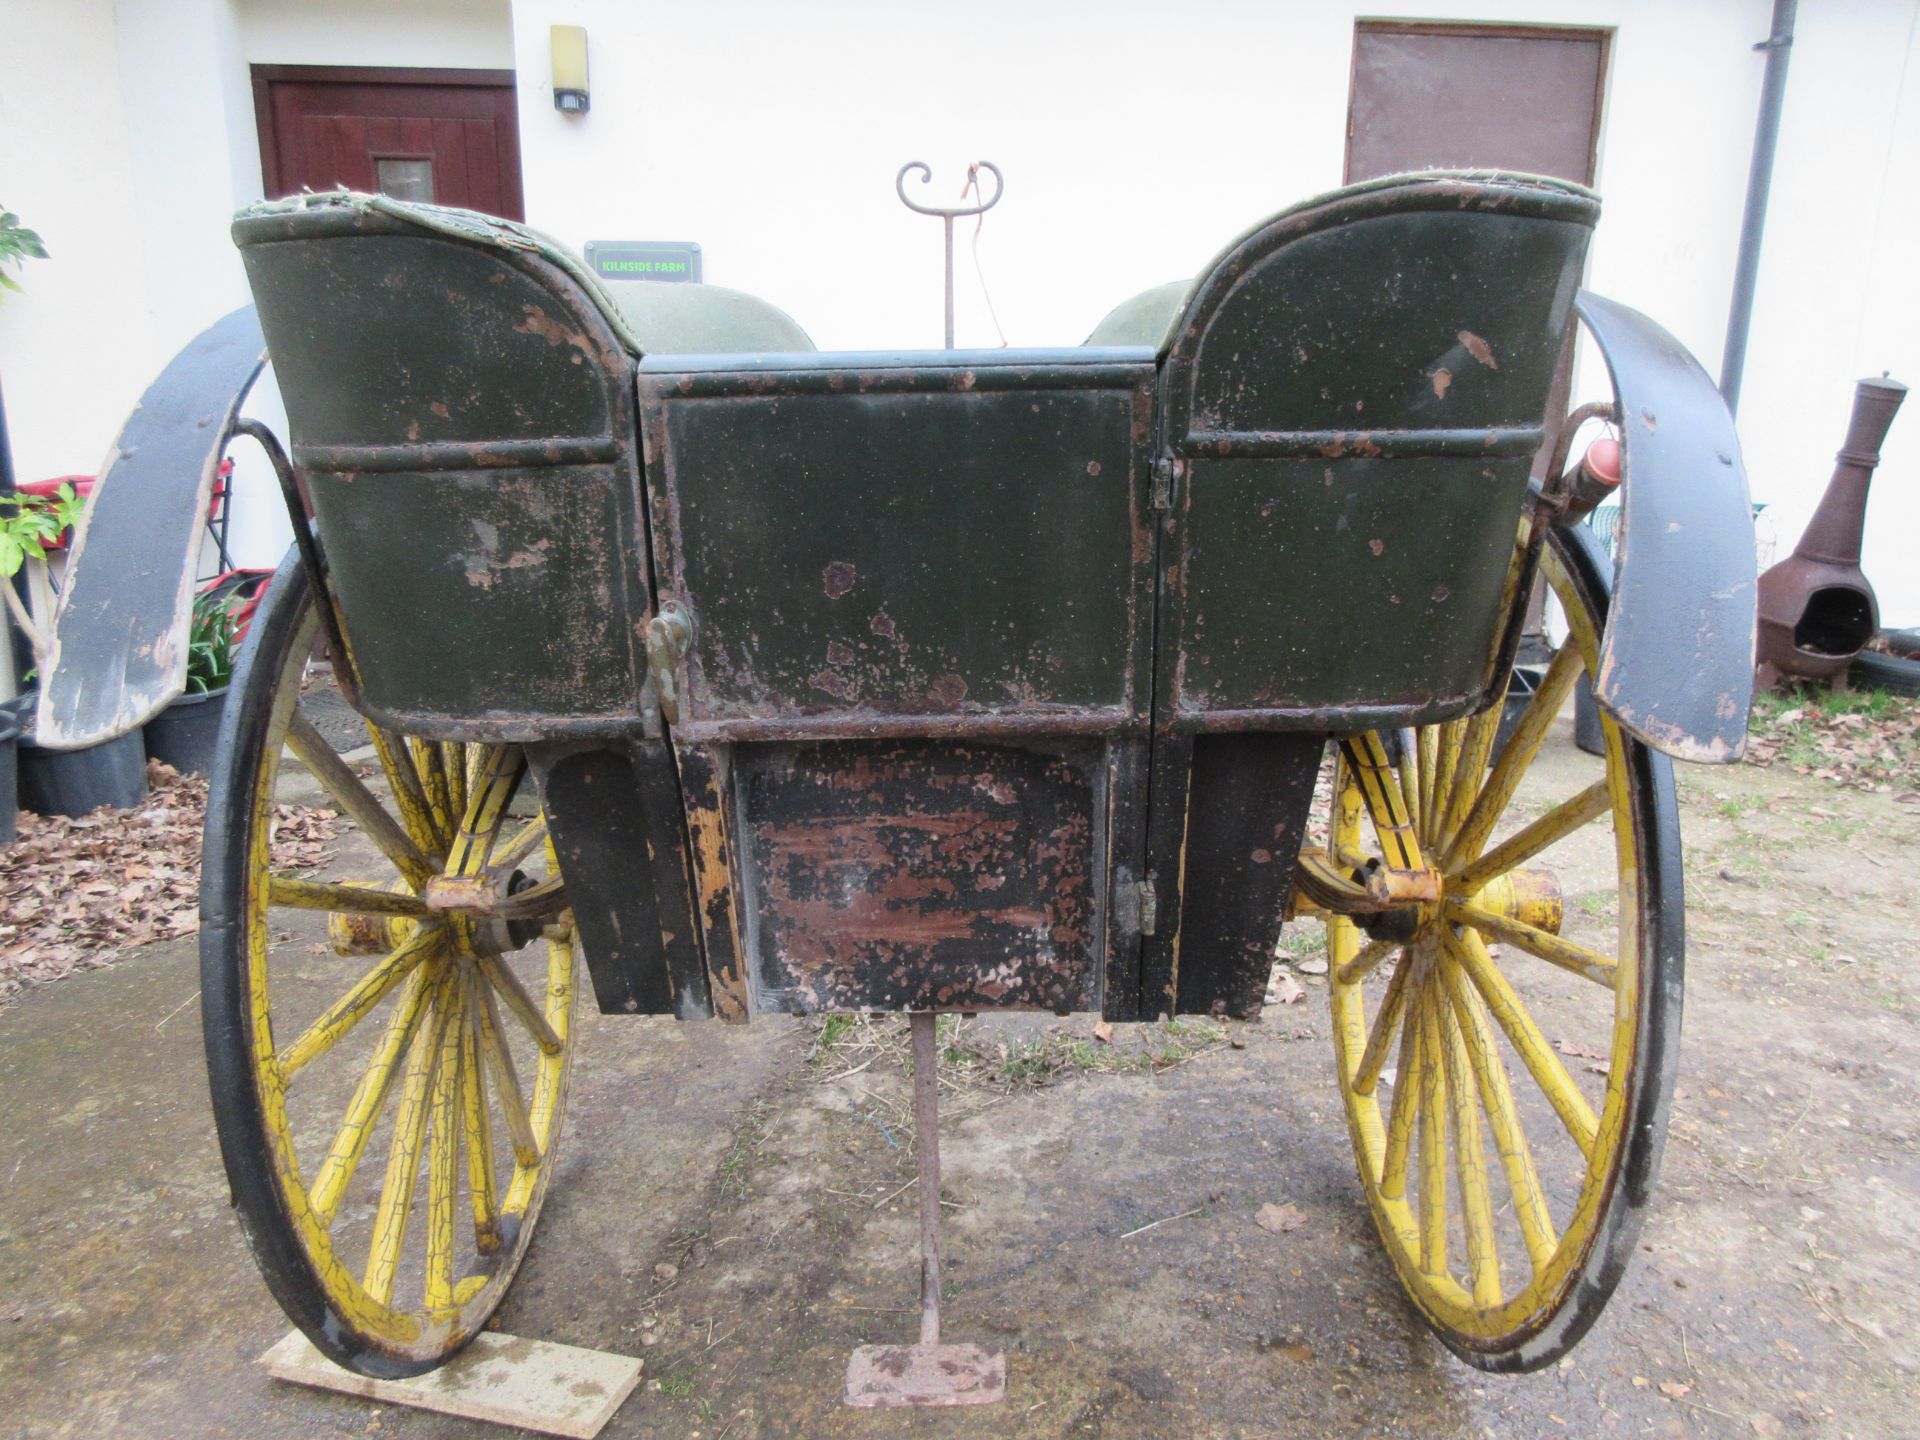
(950,213)
(929,1373)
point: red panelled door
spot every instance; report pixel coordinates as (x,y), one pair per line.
(447,136)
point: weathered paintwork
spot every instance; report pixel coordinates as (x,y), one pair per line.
(118,652)
(1676,660)
(950,679)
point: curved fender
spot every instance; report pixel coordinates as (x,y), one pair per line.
(119,647)
(1676,661)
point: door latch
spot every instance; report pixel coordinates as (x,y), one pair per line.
(669,636)
(1161,496)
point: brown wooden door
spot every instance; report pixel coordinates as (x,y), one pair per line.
(451,137)
(1505,97)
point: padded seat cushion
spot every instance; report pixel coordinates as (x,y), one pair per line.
(703,319)
(1145,319)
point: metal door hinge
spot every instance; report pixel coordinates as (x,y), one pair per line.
(1161,497)
(1141,901)
(669,634)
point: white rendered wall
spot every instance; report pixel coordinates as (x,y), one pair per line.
(1137,142)
(440,34)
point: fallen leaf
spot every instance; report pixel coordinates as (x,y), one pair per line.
(1311,967)
(1286,991)
(1674,1389)
(1280,1218)
(1103,1032)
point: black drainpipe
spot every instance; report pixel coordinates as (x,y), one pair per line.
(1766,136)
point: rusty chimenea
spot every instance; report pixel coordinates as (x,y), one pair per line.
(1817,609)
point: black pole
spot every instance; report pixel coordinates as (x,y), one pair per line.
(1766,137)
(23,660)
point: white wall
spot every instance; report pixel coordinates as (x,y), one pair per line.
(128,139)
(1839,295)
(446,34)
(1137,142)
(80,327)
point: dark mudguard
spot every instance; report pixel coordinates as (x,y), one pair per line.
(1676,661)
(119,650)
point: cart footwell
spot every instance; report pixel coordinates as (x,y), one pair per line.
(891,1376)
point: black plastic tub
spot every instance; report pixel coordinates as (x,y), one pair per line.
(184,734)
(75,782)
(9,774)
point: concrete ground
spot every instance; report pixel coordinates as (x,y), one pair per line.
(1774,1293)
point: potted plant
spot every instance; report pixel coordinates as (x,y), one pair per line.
(183,735)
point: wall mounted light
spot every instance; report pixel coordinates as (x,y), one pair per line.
(570,69)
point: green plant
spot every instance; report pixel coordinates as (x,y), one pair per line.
(210,644)
(17,243)
(28,524)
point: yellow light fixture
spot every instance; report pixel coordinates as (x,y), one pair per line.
(570,69)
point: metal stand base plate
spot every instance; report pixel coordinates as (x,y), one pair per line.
(893,1376)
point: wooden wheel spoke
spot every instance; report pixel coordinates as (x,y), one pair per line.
(1433,1137)
(403,1154)
(367,992)
(1393,1005)
(1569,956)
(525,841)
(506,1081)
(1428,745)
(430,766)
(509,988)
(1364,963)
(1496,1098)
(1531,1046)
(481,1189)
(293,893)
(1522,745)
(453,763)
(1446,760)
(1409,772)
(496,781)
(1404,1117)
(350,793)
(444,1126)
(409,798)
(1380,791)
(1520,847)
(1470,1156)
(369,1098)
(1476,746)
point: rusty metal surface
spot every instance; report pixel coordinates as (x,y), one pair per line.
(1352,403)
(904,875)
(463,416)
(929,1373)
(1817,609)
(911,544)
(1676,659)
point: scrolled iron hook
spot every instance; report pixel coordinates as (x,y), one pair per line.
(926,178)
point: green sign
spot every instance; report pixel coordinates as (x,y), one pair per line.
(676,262)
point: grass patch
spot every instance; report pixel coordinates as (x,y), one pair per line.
(1866,739)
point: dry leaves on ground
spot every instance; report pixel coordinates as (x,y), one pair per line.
(1863,739)
(76,893)
(1280,1218)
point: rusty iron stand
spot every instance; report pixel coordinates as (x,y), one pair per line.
(929,1373)
(950,214)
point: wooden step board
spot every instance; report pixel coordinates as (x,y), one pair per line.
(536,1385)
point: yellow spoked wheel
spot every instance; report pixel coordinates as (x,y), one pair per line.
(1505,951)
(388,1050)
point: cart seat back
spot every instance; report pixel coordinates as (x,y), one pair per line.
(459,391)
(1352,397)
